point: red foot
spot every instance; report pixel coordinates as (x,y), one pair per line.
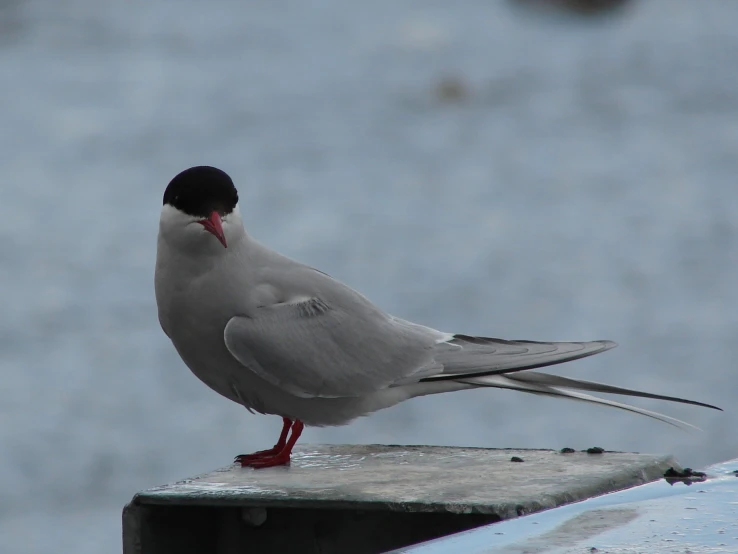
(245,459)
(280,454)
(280,459)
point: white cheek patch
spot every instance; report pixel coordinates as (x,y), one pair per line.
(235,215)
(171,217)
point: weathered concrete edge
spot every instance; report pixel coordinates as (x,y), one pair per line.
(131,529)
(614,482)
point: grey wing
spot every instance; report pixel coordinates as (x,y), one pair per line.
(464,356)
(324,339)
(336,347)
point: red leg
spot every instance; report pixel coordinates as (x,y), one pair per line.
(243,459)
(283,456)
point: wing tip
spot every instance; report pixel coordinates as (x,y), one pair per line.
(607,344)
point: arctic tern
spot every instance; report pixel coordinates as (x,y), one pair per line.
(282,338)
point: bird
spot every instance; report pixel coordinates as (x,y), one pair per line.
(282,338)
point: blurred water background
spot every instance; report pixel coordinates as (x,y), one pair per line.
(469,165)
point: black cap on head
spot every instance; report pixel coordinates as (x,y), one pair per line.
(201,190)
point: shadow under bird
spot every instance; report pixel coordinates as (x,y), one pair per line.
(280,337)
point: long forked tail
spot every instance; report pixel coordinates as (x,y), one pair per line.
(487,362)
(539,383)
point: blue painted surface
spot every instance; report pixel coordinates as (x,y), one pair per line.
(654,518)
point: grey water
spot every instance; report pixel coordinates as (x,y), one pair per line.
(468,165)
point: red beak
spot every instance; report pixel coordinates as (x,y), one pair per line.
(214,225)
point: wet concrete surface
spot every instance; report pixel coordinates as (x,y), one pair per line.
(369,498)
(419,479)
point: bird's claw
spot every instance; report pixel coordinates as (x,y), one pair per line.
(267,461)
(243,459)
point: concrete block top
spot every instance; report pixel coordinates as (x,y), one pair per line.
(417,479)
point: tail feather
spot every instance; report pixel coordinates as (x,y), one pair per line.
(506,364)
(577,384)
(505,382)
